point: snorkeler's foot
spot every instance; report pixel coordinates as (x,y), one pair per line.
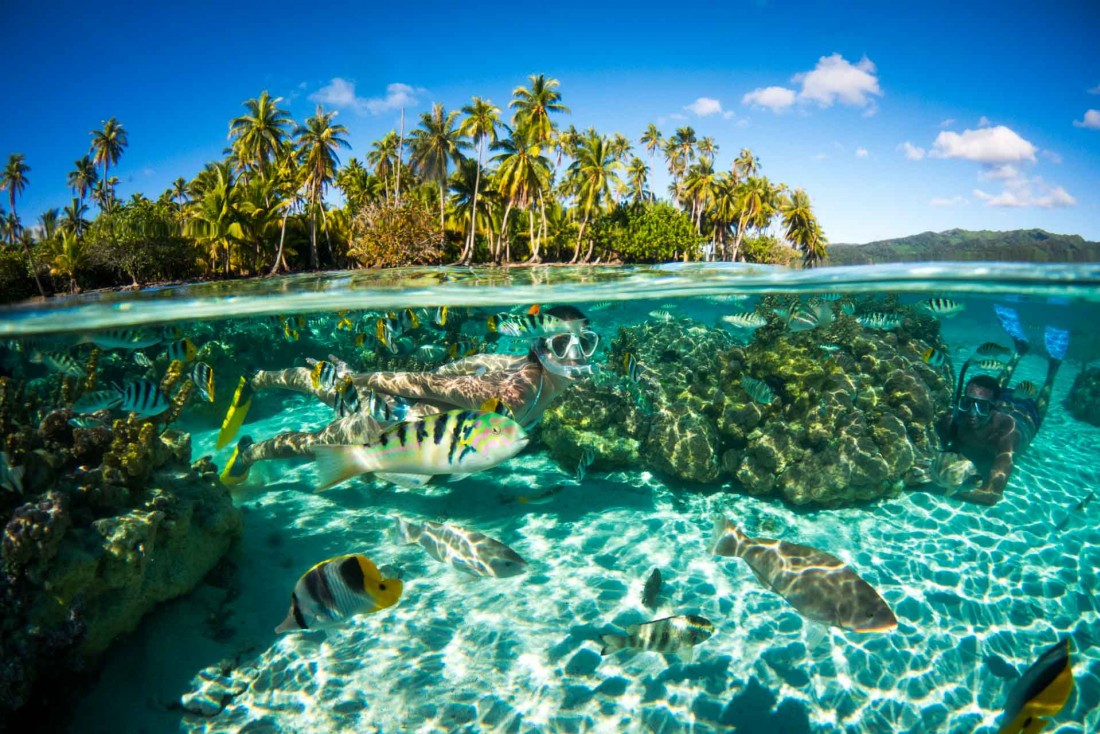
(1010,322)
(1057,342)
(236,469)
(238,411)
(1023,346)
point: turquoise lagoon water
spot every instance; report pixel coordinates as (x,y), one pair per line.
(979,592)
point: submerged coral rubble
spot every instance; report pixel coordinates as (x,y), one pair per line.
(851,415)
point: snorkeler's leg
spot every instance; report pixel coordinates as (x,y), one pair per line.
(1022,348)
(297,379)
(1043,400)
(284,446)
(356,428)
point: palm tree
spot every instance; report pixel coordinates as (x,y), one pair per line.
(107,145)
(436,144)
(699,185)
(708,149)
(258,134)
(637,176)
(590,177)
(179,191)
(290,178)
(746,164)
(68,255)
(382,158)
(652,139)
(72,218)
(83,177)
(47,220)
(14,179)
(533,107)
(522,172)
(803,229)
(318,141)
(480,125)
(756,200)
(680,150)
(213,218)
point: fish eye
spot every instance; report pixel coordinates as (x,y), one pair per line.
(496,429)
(381,587)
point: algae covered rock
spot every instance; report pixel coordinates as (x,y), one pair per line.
(1083,401)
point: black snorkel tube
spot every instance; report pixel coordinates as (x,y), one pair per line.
(953,428)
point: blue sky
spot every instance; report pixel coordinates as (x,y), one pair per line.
(896,121)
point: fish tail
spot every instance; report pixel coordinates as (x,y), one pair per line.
(238,410)
(405,532)
(612,643)
(338,463)
(727,537)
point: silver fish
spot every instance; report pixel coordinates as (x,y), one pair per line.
(61,363)
(745,320)
(466,550)
(669,635)
(121,339)
(587,457)
(83,421)
(652,589)
(879,320)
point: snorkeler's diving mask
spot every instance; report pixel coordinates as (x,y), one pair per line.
(979,407)
(567,354)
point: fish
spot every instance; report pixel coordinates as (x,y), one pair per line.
(631,368)
(677,635)
(289,332)
(1027,388)
(600,306)
(880,320)
(467,550)
(1079,507)
(323,375)
(1040,693)
(943,306)
(660,315)
(430,353)
(405,320)
(461,349)
(829,348)
(990,364)
(496,405)
(385,332)
(829,297)
(758,390)
(532,324)
(238,410)
(121,339)
(820,586)
(652,589)
(360,338)
(83,421)
(62,364)
(11,477)
(952,471)
(439,319)
(933,357)
(202,377)
(745,320)
(410,453)
(543,497)
(183,350)
(337,589)
(142,359)
(347,398)
(93,402)
(143,398)
(992,349)
(587,457)
(805,318)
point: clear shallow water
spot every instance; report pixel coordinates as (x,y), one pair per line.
(977,591)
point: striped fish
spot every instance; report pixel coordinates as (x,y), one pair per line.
(1040,693)
(406,319)
(144,398)
(83,421)
(496,405)
(93,402)
(430,353)
(466,550)
(323,376)
(992,349)
(183,350)
(336,589)
(347,398)
(880,320)
(587,457)
(289,332)
(62,364)
(758,390)
(990,364)
(1027,388)
(677,635)
(142,359)
(121,339)
(202,376)
(385,332)
(943,306)
(745,320)
(661,314)
(461,349)
(933,357)
(458,442)
(631,368)
(440,317)
(531,324)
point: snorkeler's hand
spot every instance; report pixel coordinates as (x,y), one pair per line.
(981,496)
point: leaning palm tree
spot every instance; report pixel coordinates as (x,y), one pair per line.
(533,107)
(652,139)
(435,145)
(480,125)
(591,177)
(83,177)
(318,141)
(14,180)
(756,201)
(258,134)
(107,145)
(522,173)
(803,230)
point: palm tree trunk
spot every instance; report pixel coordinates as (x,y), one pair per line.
(314,262)
(537,243)
(442,219)
(503,230)
(468,253)
(282,238)
(580,236)
(328,235)
(30,264)
(740,236)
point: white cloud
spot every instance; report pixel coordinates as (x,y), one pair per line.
(836,80)
(1051,156)
(776,99)
(1091,121)
(1095,90)
(947,123)
(983,121)
(1004,172)
(912,152)
(862,153)
(1020,191)
(705,106)
(943,202)
(990,145)
(340,93)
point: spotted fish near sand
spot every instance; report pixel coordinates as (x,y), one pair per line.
(671,635)
(817,584)
(466,550)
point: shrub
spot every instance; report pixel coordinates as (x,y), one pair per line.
(387,235)
(648,233)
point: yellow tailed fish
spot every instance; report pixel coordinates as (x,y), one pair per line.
(238,410)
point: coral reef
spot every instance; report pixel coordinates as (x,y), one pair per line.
(851,410)
(1083,401)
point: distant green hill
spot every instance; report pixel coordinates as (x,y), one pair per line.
(1021,245)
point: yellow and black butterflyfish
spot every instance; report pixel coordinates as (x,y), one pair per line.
(1040,693)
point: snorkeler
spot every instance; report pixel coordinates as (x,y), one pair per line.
(990,423)
(524,385)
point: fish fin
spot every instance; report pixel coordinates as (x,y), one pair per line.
(232,474)
(457,477)
(405,532)
(238,411)
(726,537)
(815,633)
(287,625)
(1056,342)
(409,481)
(612,643)
(337,463)
(686,654)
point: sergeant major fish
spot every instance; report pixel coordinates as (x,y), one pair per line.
(817,584)
(93,402)
(677,635)
(63,364)
(336,589)
(466,550)
(532,324)
(144,398)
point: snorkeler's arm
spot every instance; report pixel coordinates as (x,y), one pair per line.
(481,362)
(298,379)
(994,486)
(459,391)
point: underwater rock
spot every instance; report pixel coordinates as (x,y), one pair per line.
(684,445)
(34,534)
(1083,401)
